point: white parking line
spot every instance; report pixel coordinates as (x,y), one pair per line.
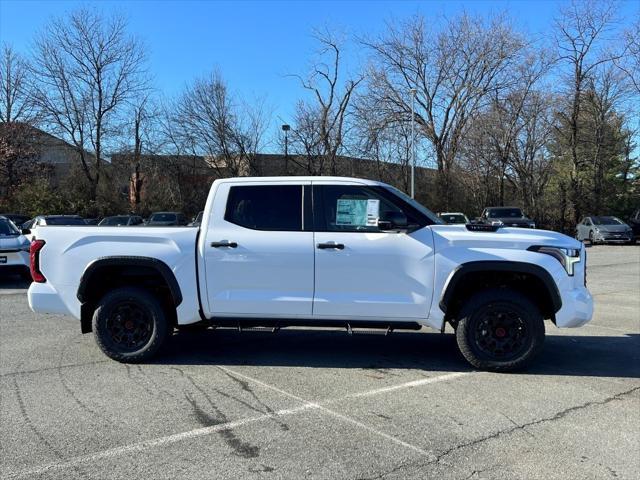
(415,383)
(345,418)
(156,442)
(199,432)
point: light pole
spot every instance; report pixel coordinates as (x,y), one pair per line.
(413,91)
(285,129)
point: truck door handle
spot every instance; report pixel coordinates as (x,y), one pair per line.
(338,246)
(224,244)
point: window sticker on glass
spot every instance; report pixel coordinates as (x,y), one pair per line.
(357,213)
(351,212)
(373,212)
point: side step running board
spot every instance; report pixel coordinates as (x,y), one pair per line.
(369,331)
(273,329)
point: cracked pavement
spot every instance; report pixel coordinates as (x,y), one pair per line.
(321,404)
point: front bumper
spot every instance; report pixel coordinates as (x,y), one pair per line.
(606,237)
(576,310)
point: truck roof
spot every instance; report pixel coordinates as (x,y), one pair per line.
(308,178)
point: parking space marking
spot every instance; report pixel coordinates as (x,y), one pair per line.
(357,423)
(415,383)
(156,442)
(199,432)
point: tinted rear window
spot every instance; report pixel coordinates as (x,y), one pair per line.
(505,213)
(64,221)
(266,207)
(163,217)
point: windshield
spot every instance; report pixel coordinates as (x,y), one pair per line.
(607,221)
(7,228)
(65,221)
(115,221)
(418,206)
(163,217)
(505,213)
(453,218)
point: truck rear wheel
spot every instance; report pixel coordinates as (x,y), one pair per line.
(500,330)
(130,325)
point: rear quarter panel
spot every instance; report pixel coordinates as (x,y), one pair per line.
(68,251)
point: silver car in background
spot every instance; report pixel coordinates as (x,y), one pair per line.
(604,229)
(14,250)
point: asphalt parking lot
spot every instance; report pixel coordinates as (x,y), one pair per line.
(322,404)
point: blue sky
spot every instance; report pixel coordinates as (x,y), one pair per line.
(256,44)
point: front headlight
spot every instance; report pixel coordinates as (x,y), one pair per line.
(497,223)
(567,257)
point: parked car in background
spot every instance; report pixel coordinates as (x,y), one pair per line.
(165,219)
(634,223)
(506,217)
(454,218)
(121,221)
(604,229)
(57,220)
(197,220)
(91,221)
(16,218)
(14,250)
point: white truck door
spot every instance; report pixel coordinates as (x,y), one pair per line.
(361,269)
(258,252)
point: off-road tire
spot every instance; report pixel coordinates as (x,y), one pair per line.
(526,324)
(155,331)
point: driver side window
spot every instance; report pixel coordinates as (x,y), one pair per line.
(352,208)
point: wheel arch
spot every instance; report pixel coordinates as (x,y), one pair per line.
(473,276)
(106,272)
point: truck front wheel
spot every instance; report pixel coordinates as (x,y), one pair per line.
(130,325)
(500,330)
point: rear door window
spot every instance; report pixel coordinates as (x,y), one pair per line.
(265,207)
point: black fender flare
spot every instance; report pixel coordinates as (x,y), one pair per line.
(501,266)
(130,261)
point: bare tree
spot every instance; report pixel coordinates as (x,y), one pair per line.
(504,121)
(453,69)
(530,163)
(387,144)
(86,68)
(320,125)
(209,121)
(18,148)
(16,103)
(580,38)
(629,61)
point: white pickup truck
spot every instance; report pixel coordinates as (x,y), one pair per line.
(314,251)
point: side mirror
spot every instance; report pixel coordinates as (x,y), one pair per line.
(393,221)
(25,231)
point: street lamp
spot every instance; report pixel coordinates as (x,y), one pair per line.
(413,92)
(285,129)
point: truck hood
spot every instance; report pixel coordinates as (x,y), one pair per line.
(506,237)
